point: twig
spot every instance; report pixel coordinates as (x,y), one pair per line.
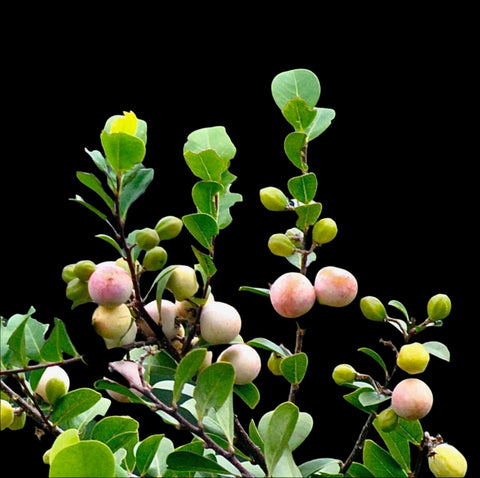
(254,450)
(39,366)
(298,348)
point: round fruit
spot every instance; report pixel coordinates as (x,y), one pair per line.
(387,420)
(446,461)
(168,227)
(245,360)
(413,358)
(335,287)
(53,384)
(169,314)
(110,285)
(220,323)
(84,269)
(292,295)
(439,307)
(183,283)
(324,231)
(155,258)
(273,199)
(126,339)
(6,414)
(373,309)
(112,322)
(343,374)
(147,238)
(412,399)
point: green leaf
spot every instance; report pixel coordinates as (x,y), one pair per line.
(34,338)
(291,84)
(17,342)
(353,399)
(398,305)
(116,387)
(84,459)
(255,290)
(411,430)
(215,138)
(214,385)
(203,194)
(122,150)
(73,403)
(112,242)
(294,145)
(146,451)
(207,165)
(325,465)
(322,121)
(58,343)
(227,200)
(134,184)
(249,393)
(294,367)
(380,462)
(303,188)
(118,432)
(357,470)
(81,422)
(375,356)
(308,215)
(92,182)
(298,114)
(267,344)
(186,461)
(301,431)
(370,397)
(78,199)
(280,428)
(205,262)
(202,227)
(438,349)
(186,369)
(158,465)
(225,418)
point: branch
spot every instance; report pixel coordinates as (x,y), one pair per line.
(39,366)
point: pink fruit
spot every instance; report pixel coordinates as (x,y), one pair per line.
(169,314)
(245,360)
(292,295)
(412,399)
(335,287)
(110,285)
(220,323)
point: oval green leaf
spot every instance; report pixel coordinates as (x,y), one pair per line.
(294,367)
(186,370)
(303,188)
(202,227)
(299,83)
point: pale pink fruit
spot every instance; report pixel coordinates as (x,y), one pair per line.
(292,295)
(245,360)
(335,287)
(110,285)
(412,399)
(169,313)
(220,323)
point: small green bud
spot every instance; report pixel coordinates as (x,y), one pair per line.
(6,414)
(280,245)
(155,259)
(147,239)
(68,274)
(343,374)
(273,199)
(387,420)
(373,309)
(324,231)
(168,227)
(274,363)
(438,307)
(18,421)
(77,291)
(84,269)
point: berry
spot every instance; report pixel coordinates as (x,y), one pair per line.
(183,283)
(446,461)
(53,384)
(220,323)
(84,269)
(168,227)
(387,420)
(155,258)
(412,399)
(343,374)
(280,245)
(335,287)
(292,295)
(245,360)
(324,231)
(147,238)
(439,307)
(110,285)
(6,414)
(413,358)
(112,322)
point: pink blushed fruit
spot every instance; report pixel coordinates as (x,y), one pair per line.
(335,287)
(110,285)
(412,399)
(292,295)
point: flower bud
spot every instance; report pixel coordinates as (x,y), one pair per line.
(274,363)
(84,269)
(280,245)
(373,309)
(155,259)
(18,421)
(168,227)
(147,238)
(438,307)
(273,199)
(343,374)
(324,231)
(387,420)
(77,292)
(68,274)
(447,461)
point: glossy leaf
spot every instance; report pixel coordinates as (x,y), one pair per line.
(84,419)
(357,470)
(146,451)
(353,399)
(298,114)
(249,393)
(225,418)
(294,145)
(308,215)
(122,150)
(214,138)
(322,121)
(303,188)
(291,84)
(112,242)
(202,227)
(187,461)
(186,369)
(17,344)
(84,459)
(267,344)
(380,462)
(438,349)
(205,262)
(78,199)
(324,465)
(74,403)
(370,397)
(134,184)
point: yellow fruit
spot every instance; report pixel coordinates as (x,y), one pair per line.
(112,323)
(343,374)
(446,461)
(413,358)
(6,414)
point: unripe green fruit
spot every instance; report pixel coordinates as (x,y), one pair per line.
(292,295)
(387,420)
(77,291)
(220,323)
(53,384)
(373,309)
(335,287)
(273,199)
(168,227)
(155,259)
(413,358)
(412,399)
(6,414)
(147,238)
(324,231)
(280,245)
(274,363)
(112,323)
(68,274)
(245,360)
(439,307)
(18,421)
(343,374)
(84,269)
(183,283)
(446,461)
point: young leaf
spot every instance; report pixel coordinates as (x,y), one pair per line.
(134,184)
(203,194)
(298,114)
(321,122)
(73,403)
(308,215)
(215,138)
(78,199)
(205,262)
(85,458)
(294,145)
(122,150)
(380,462)
(92,182)
(375,356)
(353,399)
(186,369)
(398,305)
(202,227)
(112,242)
(303,188)
(296,83)
(438,349)
(369,397)
(206,164)
(325,465)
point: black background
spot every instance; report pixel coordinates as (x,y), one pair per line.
(396,171)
